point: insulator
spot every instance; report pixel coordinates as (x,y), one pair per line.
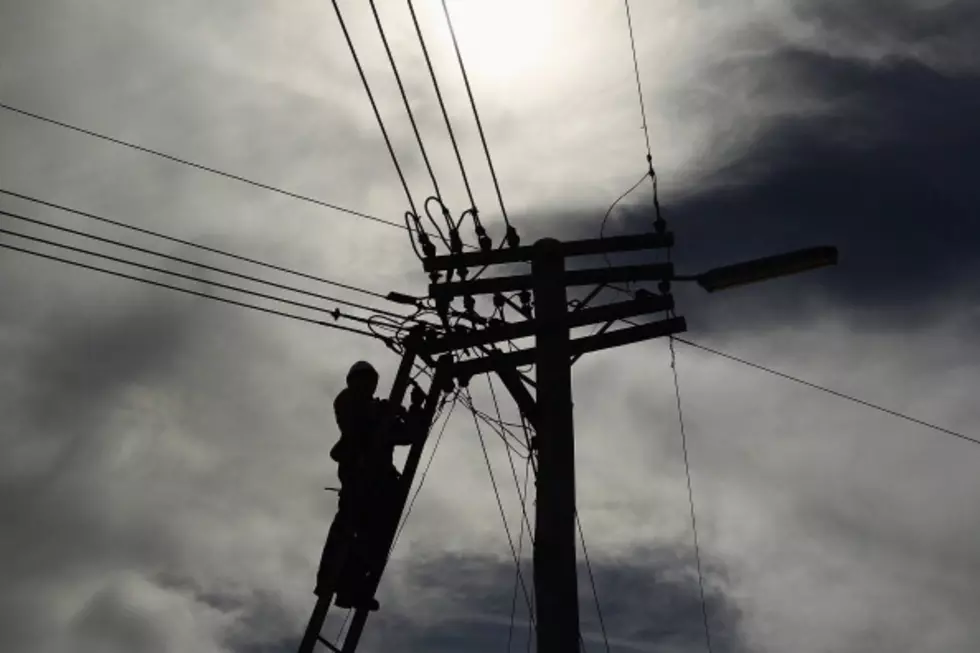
(664,287)
(499,300)
(660,225)
(455,242)
(525,297)
(469,303)
(513,240)
(427,247)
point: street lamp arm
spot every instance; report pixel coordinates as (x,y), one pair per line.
(762,269)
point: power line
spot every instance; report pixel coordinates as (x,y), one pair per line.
(595,592)
(500,506)
(605,218)
(520,546)
(690,495)
(212,268)
(643,114)
(374,107)
(188,243)
(408,106)
(831,392)
(335,313)
(199,166)
(188,291)
(442,105)
(636,70)
(476,114)
(496,404)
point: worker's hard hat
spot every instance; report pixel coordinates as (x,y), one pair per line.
(361,368)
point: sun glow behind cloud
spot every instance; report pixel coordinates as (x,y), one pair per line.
(506,41)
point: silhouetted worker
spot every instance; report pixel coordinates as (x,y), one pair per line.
(368,478)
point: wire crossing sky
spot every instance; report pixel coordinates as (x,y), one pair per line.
(164,465)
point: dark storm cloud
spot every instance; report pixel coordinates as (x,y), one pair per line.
(886,172)
(650,601)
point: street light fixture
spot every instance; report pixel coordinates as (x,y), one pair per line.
(770,267)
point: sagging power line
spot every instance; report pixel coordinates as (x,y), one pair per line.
(205,168)
(335,313)
(225,300)
(198,264)
(188,243)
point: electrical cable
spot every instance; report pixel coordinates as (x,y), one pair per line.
(442,104)
(188,291)
(374,106)
(510,460)
(690,496)
(659,223)
(842,395)
(636,70)
(595,593)
(500,506)
(335,313)
(401,89)
(228,175)
(425,471)
(520,546)
(605,218)
(188,243)
(499,430)
(203,266)
(476,114)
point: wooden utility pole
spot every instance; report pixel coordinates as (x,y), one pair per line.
(555,572)
(555,579)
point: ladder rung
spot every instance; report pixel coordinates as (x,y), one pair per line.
(328,644)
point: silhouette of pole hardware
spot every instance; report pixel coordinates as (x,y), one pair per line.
(555,575)
(549,319)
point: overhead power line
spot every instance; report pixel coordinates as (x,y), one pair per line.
(442,105)
(188,243)
(636,71)
(199,166)
(476,113)
(374,107)
(335,313)
(187,291)
(203,266)
(408,106)
(842,395)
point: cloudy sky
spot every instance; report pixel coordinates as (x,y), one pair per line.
(164,456)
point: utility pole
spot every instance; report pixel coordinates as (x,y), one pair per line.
(555,578)
(555,574)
